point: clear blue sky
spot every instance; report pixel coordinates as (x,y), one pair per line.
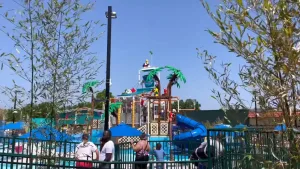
(172,29)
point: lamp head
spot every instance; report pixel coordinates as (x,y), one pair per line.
(113,15)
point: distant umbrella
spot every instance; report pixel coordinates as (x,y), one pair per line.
(280,127)
(222,126)
(240,126)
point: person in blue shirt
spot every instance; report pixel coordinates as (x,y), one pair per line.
(159,155)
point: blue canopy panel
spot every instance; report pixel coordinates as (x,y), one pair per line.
(124,130)
(15,126)
(138,92)
(46,133)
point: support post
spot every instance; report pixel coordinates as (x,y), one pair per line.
(133,113)
(159,112)
(107,91)
(170,128)
(119,115)
(178,106)
(148,120)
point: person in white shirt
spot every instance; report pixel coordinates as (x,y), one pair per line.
(84,151)
(107,150)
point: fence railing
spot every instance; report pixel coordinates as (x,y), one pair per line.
(178,150)
(227,149)
(45,162)
(20,148)
(243,148)
(23,146)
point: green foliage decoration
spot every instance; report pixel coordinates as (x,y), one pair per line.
(154,73)
(178,75)
(114,106)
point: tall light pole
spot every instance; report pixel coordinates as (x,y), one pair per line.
(109,15)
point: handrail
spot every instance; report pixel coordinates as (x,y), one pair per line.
(72,159)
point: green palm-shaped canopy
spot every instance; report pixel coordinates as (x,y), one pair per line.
(114,106)
(89,84)
(176,72)
(154,72)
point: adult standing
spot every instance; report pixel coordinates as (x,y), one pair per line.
(142,149)
(107,150)
(84,151)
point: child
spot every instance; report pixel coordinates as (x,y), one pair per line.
(159,154)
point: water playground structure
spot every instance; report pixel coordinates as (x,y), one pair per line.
(147,108)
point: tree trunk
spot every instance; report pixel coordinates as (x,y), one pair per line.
(169,88)
(90,126)
(159,104)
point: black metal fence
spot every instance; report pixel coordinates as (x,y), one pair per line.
(178,150)
(39,162)
(251,148)
(227,149)
(17,153)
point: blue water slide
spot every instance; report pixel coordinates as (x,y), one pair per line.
(198,129)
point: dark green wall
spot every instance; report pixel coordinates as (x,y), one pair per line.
(235,116)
